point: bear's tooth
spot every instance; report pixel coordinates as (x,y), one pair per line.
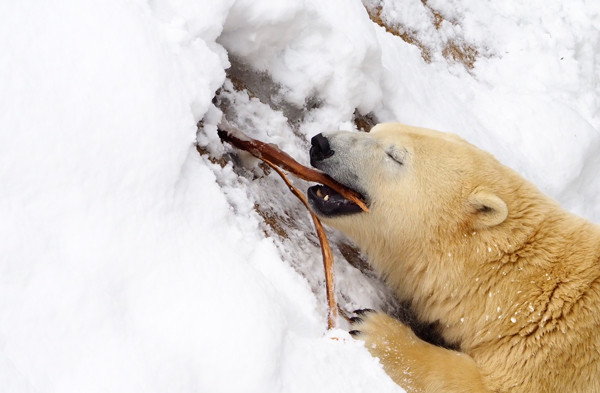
(319,193)
(326,197)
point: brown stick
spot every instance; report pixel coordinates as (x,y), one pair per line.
(270,152)
(276,158)
(325,250)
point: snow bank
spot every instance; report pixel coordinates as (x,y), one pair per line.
(130,262)
(124,266)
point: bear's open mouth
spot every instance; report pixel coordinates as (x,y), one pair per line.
(327,202)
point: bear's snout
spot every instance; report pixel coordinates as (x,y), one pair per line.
(320,149)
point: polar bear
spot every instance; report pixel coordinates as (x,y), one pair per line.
(507,275)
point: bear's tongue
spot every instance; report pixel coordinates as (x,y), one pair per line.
(328,202)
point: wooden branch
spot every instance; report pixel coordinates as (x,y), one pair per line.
(277,159)
(270,152)
(325,250)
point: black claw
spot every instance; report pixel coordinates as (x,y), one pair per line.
(354,333)
(363,311)
(356,319)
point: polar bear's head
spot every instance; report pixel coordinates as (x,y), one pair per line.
(426,191)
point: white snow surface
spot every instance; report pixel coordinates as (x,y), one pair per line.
(129,262)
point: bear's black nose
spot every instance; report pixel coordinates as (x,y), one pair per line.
(320,149)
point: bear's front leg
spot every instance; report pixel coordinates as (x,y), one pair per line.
(412,363)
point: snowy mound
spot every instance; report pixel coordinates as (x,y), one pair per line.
(140,254)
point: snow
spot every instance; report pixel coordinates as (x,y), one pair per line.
(286,38)
(132,263)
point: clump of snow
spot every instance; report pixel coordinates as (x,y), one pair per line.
(287,38)
(132,263)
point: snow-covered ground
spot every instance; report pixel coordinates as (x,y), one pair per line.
(130,262)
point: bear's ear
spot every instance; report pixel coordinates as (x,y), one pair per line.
(488,209)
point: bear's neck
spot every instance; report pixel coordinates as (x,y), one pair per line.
(531,287)
(463,285)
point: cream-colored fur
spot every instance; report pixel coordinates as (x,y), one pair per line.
(510,277)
